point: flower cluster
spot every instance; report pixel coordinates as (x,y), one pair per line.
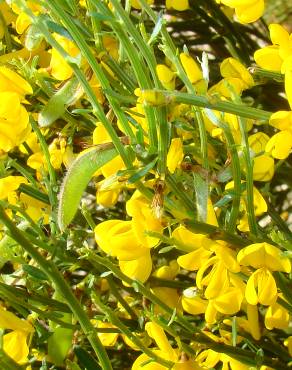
(144,198)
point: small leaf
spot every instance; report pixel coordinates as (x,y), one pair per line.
(59,344)
(201,190)
(166,249)
(156,29)
(141,173)
(56,106)
(33,37)
(34,272)
(85,359)
(76,180)
(225,200)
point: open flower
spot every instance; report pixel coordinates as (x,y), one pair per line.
(13,121)
(265,258)
(15,342)
(247,11)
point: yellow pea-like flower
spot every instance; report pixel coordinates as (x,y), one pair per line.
(60,69)
(282,120)
(280,144)
(117,238)
(175,155)
(12,81)
(139,268)
(269,58)
(264,255)
(191,68)
(231,67)
(277,317)
(179,5)
(261,288)
(14,120)
(136,4)
(166,76)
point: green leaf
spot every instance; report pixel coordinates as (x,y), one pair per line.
(85,359)
(201,190)
(56,106)
(34,272)
(76,180)
(59,344)
(33,37)
(141,173)
(156,29)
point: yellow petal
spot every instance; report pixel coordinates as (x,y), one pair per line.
(276,317)
(194,260)
(280,144)
(282,120)
(229,301)
(139,268)
(278,34)
(157,334)
(191,68)
(15,346)
(231,67)
(175,155)
(288,86)
(260,255)
(251,12)
(269,58)
(179,5)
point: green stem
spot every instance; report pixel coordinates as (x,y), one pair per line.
(249,178)
(171,53)
(89,57)
(139,67)
(235,163)
(50,269)
(216,104)
(52,186)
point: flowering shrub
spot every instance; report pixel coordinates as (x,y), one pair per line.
(144,189)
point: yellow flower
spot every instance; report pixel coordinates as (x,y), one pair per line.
(261,255)
(9,184)
(166,76)
(107,339)
(60,69)
(117,238)
(193,303)
(143,219)
(191,68)
(247,11)
(280,144)
(269,58)
(273,56)
(139,268)
(13,121)
(11,81)
(175,155)
(179,5)
(263,165)
(15,342)
(164,351)
(282,120)
(15,345)
(231,67)
(277,317)
(136,4)
(261,288)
